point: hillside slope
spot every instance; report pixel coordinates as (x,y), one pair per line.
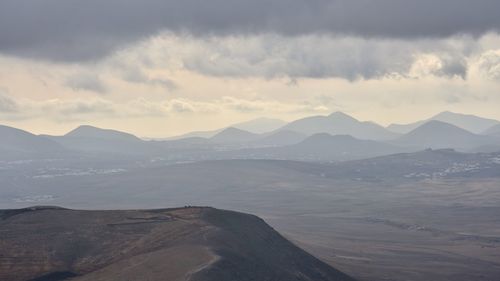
(201,244)
(19,144)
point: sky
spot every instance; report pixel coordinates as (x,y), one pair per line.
(159,68)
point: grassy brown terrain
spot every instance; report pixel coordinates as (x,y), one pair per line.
(192,243)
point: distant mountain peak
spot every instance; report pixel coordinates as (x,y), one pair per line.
(471,123)
(233,130)
(438,134)
(84,127)
(88,131)
(260,125)
(339,123)
(447,112)
(437,125)
(340,114)
(232,134)
(451,113)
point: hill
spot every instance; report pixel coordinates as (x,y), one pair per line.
(19,144)
(339,147)
(233,135)
(200,244)
(425,164)
(319,147)
(260,125)
(96,140)
(437,134)
(256,126)
(339,123)
(196,134)
(280,138)
(86,131)
(471,123)
(493,131)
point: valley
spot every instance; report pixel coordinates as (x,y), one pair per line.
(372,223)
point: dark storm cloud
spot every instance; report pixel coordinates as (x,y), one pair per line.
(74,30)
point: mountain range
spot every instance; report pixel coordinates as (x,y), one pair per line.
(327,138)
(234,135)
(256,126)
(319,147)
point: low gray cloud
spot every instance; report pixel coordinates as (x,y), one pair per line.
(75,30)
(7,105)
(79,107)
(164,82)
(71,110)
(454,67)
(86,82)
(56,109)
(134,74)
(316,56)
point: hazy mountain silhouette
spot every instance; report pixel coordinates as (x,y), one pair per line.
(86,131)
(92,139)
(281,138)
(16,144)
(467,122)
(260,125)
(339,123)
(437,134)
(234,135)
(342,147)
(196,134)
(256,126)
(320,147)
(493,131)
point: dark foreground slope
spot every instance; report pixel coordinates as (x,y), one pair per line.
(202,244)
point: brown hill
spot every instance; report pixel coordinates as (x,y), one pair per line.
(195,243)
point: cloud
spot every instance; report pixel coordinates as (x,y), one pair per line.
(79,107)
(7,105)
(163,82)
(56,109)
(86,82)
(272,56)
(438,65)
(74,30)
(71,110)
(489,64)
(134,74)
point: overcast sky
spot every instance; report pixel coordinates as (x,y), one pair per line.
(160,67)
